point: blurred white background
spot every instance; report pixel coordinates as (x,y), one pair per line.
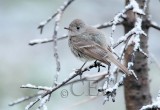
(22,64)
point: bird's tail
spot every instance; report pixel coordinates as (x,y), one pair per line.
(120,66)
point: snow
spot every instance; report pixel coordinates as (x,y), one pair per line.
(29,86)
(28,106)
(39,41)
(43,23)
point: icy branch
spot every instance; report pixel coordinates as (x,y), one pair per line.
(154,106)
(30,86)
(45,92)
(61,9)
(23,99)
(111,91)
(47,40)
(56,26)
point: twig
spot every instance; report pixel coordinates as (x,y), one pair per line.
(154,25)
(56,26)
(45,40)
(62,8)
(30,86)
(111,92)
(23,99)
(49,90)
(42,41)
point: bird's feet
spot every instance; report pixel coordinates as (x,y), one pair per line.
(98,65)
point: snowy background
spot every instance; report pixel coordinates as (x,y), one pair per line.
(22,64)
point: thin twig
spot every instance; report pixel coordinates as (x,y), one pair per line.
(23,99)
(154,25)
(42,41)
(30,86)
(62,8)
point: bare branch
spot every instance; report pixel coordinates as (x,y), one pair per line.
(154,25)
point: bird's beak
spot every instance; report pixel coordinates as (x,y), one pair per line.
(67,28)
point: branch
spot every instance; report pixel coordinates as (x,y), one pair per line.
(56,27)
(30,86)
(45,40)
(61,9)
(111,91)
(47,91)
(42,41)
(154,25)
(23,99)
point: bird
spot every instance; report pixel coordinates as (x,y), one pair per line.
(89,43)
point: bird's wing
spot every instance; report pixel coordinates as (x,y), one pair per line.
(95,51)
(91,49)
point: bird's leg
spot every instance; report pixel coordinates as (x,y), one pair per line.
(109,66)
(98,64)
(79,71)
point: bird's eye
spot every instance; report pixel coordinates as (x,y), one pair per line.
(78,28)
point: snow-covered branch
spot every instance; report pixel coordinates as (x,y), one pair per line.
(45,92)
(23,99)
(154,106)
(30,86)
(111,91)
(56,27)
(47,40)
(61,9)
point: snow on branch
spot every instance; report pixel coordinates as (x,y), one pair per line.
(111,86)
(23,99)
(154,106)
(36,87)
(61,9)
(56,27)
(45,92)
(42,41)
(111,91)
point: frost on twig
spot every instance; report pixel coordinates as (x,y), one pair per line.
(111,86)
(61,9)
(154,106)
(56,26)
(20,100)
(45,92)
(47,40)
(111,91)
(30,86)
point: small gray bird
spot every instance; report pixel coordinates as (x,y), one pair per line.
(89,43)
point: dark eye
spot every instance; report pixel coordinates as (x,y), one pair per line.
(78,28)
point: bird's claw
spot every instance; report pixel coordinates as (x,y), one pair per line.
(98,65)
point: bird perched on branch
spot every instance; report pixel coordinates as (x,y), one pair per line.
(89,43)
